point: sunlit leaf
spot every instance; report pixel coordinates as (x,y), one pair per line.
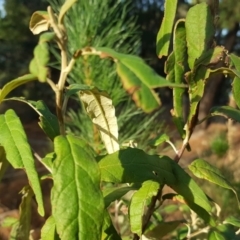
(3,162)
(11,85)
(161,139)
(199,31)
(39,22)
(18,151)
(233,221)
(205,170)
(48,231)
(138,202)
(76,179)
(65,7)
(165,32)
(100,109)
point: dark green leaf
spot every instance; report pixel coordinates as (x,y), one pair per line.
(3,162)
(133,165)
(18,151)
(109,232)
(76,179)
(115,193)
(226,111)
(165,32)
(215,235)
(138,202)
(233,221)
(162,229)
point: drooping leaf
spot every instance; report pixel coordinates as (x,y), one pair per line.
(205,170)
(76,179)
(3,162)
(199,31)
(165,32)
(113,193)
(133,165)
(18,151)
(39,22)
(109,232)
(137,204)
(138,78)
(233,221)
(162,229)
(48,121)
(7,88)
(24,224)
(226,111)
(65,7)
(188,188)
(48,231)
(100,109)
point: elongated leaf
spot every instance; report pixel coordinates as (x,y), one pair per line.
(24,224)
(199,31)
(75,88)
(39,22)
(161,139)
(226,111)
(189,189)
(100,109)
(115,193)
(165,32)
(232,221)
(48,121)
(138,78)
(169,67)
(48,231)
(133,165)
(162,229)
(7,88)
(18,151)
(65,7)
(139,198)
(3,162)
(76,179)
(215,235)
(109,232)
(205,170)
(180,68)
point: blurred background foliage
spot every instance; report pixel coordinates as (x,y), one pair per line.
(126,26)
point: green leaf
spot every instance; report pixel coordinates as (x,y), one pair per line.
(47,161)
(76,179)
(169,67)
(75,88)
(48,121)
(48,231)
(7,88)
(161,139)
(133,165)
(18,151)
(24,224)
(46,37)
(109,232)
(38,65)
(114,193)
(137,204)
(138,78)
(236,90)
(189,189)
(9,222)
(3,162)
(100,109)
(180,68)
(39,22)
(165,32)
(205,170)
(162,229)
(65,7)
(226,111)
(232,221)
(215,235)
(199,31)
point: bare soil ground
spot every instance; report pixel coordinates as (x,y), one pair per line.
(15,180)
